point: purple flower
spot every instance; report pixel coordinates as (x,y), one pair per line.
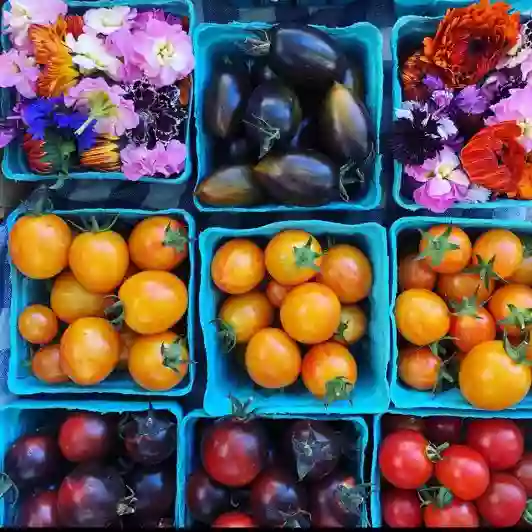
(516,108)
(434,83)
(444,182)
(18,70)
(442,98)
(8,131)
(472,100)
(142,19)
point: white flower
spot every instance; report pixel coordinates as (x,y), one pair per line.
(107,21)
(90,53)
(477,194)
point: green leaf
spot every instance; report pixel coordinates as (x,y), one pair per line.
(437,246)
(338,389)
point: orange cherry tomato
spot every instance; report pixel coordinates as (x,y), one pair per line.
(503,247)
(99,260)
(276,293)
(273,359)
(419,368)
(511,304)
(39,245)
(457,286)
(523,274)
(37,324)
(46,365)
(310,313)
(158,362)
(353,325)
(416,273)
(244,315)
(238,266)
(127,338)
(70,301)
(446,249)
(293,257)
(347,271)
(329,371)
(468,331)
(90,350)
(422,317)
(489,379)
(153,301)
(158,243)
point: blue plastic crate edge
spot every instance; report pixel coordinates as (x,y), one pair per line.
(23,388)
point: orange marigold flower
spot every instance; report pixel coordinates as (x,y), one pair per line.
(35,153)
(58,73)
(495,159)
(524,186)
(104,156)
(412,75)
(74,25)
(470,41)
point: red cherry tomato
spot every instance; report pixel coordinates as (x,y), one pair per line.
(234,520)
(523,473)
(403,461)
(401,509)
(504,502)
(499,441)
(443,429)
(463,471)
(457,513)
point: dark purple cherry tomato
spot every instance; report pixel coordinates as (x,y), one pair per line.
(205,498)
(443,429)
(523,473)
(38,510)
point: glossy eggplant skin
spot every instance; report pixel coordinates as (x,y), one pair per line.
(303,55)
(272,116)
(230,186)
(305,136)
(298,178)
(261,72)
(236,150)
(346,132)
(225,101)
(353,81)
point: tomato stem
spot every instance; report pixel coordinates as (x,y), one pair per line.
(519,317)
(305,256)
(175,354)
(338,389)
(239,409)
(433,452)
(467,307)
(527,514)
(437,246)
(6,485)
(485,270)
(517,353)
(175,238)
(226,334)
(339,334)
(117,310)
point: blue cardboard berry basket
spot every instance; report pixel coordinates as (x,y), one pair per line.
(362,39)
(376,491)
(25,416)
(28,291)
(224,378)
(405,233)
(408,31)
(190,456)
(14,163)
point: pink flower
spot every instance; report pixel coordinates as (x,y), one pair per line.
(18,70)
(138,161)
(516,108)
(23,13)
(163,52)
(443,181)
(104,104)
(144,17)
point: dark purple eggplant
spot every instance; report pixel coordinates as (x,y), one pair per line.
(206,499)
(272,116)
(346,132)
(303,55)
(231,186)
(225,100)
(33,461)
(154,488)
(315,447)
(277,499)
(298,178)
(340,496)
(239,150)
(305,138)
(261,72)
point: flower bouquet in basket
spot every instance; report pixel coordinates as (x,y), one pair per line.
(464,133)
(105,91)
